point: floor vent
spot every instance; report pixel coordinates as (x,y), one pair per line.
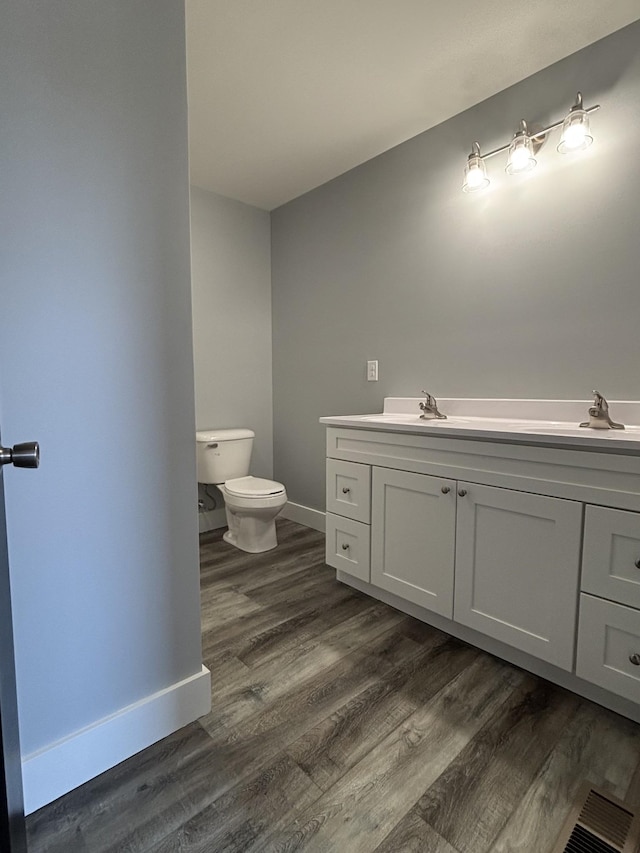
(599,823)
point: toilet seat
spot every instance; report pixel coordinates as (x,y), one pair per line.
(253,488)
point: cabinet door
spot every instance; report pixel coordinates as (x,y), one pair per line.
(413,537)
(517,568)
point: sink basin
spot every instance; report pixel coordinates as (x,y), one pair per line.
(575,429)
(549,426)
(392,419)
(416,419)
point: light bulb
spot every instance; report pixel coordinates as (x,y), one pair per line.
(575,132)
(475,174)
(521,157)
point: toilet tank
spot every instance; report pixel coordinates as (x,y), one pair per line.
(223,454)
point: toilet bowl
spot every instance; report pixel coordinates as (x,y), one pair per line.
(251,503)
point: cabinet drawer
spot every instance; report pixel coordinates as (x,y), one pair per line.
(349,489)
(608,636)
(611,554)
(347,546)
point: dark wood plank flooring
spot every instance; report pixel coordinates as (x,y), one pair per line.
(339,724)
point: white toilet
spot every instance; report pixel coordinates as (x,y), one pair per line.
(251,503)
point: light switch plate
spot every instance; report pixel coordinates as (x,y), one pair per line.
(372,371)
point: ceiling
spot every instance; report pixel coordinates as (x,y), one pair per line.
(287,94)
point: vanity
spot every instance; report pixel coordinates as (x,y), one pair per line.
(506,525)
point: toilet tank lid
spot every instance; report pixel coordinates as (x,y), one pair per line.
(223,434)
(255,487)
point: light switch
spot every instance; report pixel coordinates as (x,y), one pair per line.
(372,371)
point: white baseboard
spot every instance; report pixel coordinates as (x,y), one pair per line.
(313,518)
(212,520)
(58,768)
(305,515)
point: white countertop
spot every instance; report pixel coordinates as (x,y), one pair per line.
(552,423)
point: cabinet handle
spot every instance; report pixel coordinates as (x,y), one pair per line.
(462,492)
(635,659)
(345,490)
(637,564)
(345,547)
(445,490)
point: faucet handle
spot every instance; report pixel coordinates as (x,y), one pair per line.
(599,401)
(430,400)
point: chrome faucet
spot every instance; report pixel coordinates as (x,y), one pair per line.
(430,408)
(599,417)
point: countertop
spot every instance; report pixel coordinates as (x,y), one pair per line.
(551,423)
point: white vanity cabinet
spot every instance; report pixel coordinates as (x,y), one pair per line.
(531,552)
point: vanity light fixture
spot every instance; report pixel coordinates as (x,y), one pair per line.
(576,136)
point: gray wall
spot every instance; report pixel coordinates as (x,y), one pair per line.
(95,356)
(231,284)
(528,290)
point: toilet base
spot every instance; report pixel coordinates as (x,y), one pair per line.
(250,534)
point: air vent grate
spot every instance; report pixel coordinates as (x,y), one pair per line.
(583,841)
(598,823)
(607,819)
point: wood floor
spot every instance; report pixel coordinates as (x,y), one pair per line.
(339,724)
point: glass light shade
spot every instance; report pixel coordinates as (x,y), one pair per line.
(575,132)
(475,174)
(521,157)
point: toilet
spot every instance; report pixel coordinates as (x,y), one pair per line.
(251,503)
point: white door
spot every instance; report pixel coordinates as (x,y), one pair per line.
(413,537)
(517,569)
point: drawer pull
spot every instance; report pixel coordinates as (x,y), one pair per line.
(462,492)
(635,659)
(345,490)
(445,490)
(637,564)
(345,547)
